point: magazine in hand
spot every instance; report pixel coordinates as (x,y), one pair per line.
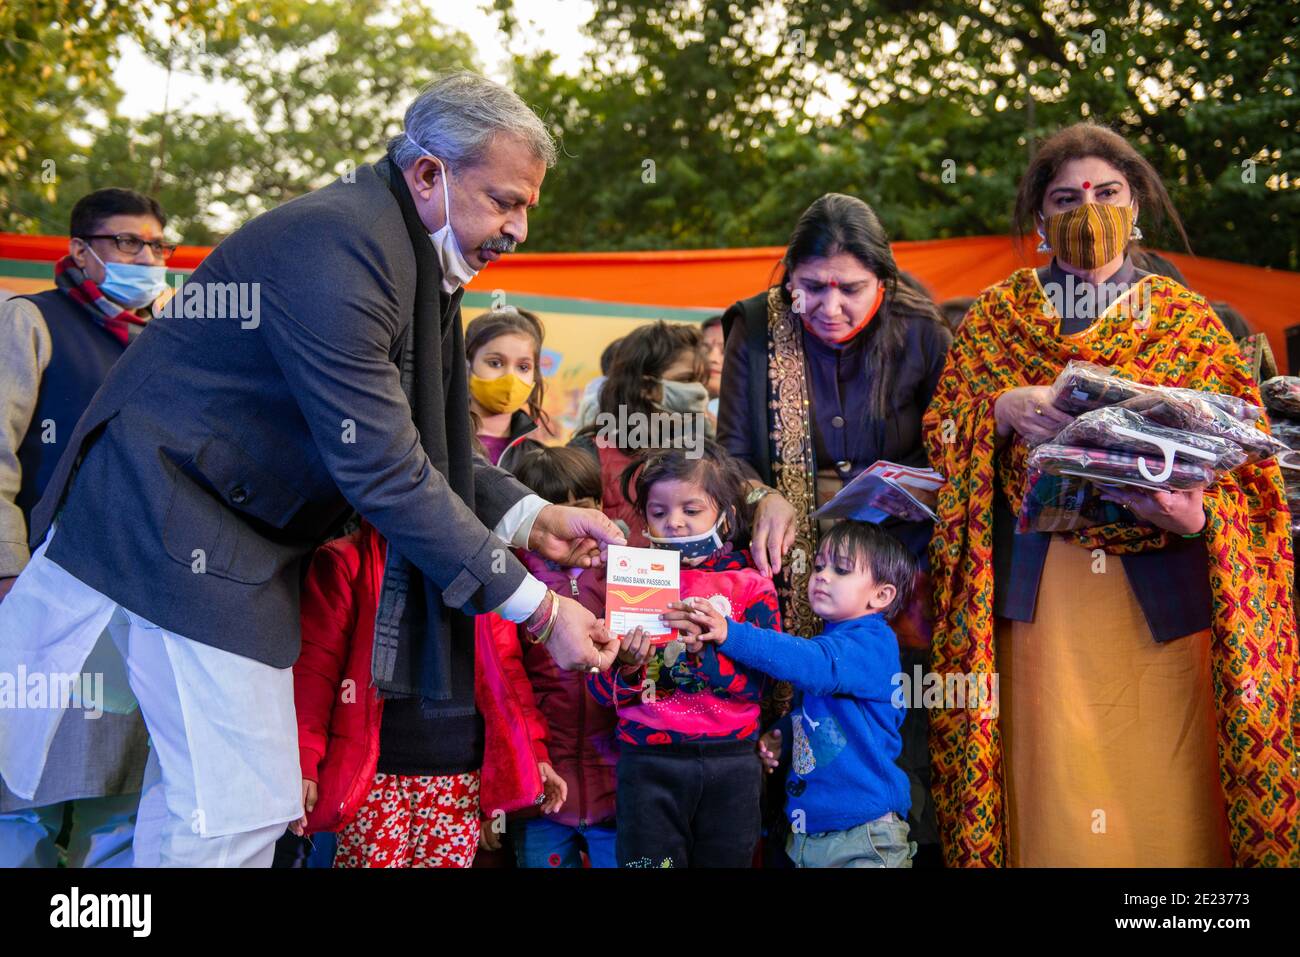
(885,489)
(639,584)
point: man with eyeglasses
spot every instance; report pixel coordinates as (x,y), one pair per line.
(56,349)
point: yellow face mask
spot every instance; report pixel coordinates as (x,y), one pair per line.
(506,393)
(1089,235)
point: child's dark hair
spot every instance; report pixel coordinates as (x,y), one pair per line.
(558,473)
(855,544)
(641,357)
(713,469)
(607,355)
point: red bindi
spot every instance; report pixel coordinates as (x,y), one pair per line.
(835,284)
(1086,184)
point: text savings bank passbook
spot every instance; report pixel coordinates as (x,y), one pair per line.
(639,584)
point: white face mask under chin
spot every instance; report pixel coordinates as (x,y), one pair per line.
(456,271)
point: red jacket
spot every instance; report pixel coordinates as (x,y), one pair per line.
(613,461)
(581,743)
(339,709)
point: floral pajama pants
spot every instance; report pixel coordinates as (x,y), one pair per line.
(409,821)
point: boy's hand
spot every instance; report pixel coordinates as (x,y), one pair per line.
(488,839)
(557,792)
(299,826)
(700,617)
(769,749)
(634,649)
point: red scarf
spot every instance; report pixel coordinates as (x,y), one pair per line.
(122,324)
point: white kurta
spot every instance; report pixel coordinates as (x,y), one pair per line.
(237,737)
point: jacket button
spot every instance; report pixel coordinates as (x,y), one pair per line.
(239,495)
(838,421)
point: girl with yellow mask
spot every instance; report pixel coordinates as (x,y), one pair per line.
(503,348)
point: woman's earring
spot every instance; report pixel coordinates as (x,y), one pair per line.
(1136,235)
(1043,247)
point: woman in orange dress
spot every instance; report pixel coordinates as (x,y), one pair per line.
(1146,668)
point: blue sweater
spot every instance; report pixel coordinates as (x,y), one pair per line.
(846,733)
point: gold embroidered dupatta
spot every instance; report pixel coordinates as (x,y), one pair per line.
(794,458)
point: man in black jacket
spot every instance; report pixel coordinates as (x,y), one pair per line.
(312,365)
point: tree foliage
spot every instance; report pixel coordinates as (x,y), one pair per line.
(693,123)
(935,108)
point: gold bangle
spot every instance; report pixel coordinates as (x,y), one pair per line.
(550,625)
(539,637)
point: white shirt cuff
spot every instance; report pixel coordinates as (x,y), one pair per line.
(521,605)
(517,524)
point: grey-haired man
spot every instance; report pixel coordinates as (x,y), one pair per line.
(244,444)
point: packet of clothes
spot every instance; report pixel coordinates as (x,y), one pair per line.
(1291,478)
(1062,503)
(1084,386)
(1186,410)
(1288,431)
(1121,468)
(1282,394)
(1115,427)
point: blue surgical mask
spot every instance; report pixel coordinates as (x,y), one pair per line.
(131,284)
(692,547)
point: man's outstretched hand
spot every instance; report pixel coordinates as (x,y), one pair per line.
(573,536)
(579,641)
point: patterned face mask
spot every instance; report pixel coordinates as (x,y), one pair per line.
(1090,235)
(692,547)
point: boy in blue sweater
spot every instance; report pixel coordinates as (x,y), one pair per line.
(848,800)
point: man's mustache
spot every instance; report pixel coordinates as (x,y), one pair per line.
(501,244)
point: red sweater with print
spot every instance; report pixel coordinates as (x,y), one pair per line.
(703,696)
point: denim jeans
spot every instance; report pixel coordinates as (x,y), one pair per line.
(879,843)
(541,842)
(102,829)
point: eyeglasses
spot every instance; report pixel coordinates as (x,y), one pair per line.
(132,244)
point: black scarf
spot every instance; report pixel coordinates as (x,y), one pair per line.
(423,648)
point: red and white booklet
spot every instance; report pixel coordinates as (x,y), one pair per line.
(884,489)
(639,584)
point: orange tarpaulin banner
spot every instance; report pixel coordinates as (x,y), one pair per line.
(713,279)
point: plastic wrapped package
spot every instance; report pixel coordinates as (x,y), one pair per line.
(1104,465)
(1084,386)
(1233,405)
(1108,428)
(1061,503)
(1186,411)
(1291,477)
(1287,430)
(1282,394)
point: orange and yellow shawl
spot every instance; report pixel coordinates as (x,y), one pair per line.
(1160,333)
